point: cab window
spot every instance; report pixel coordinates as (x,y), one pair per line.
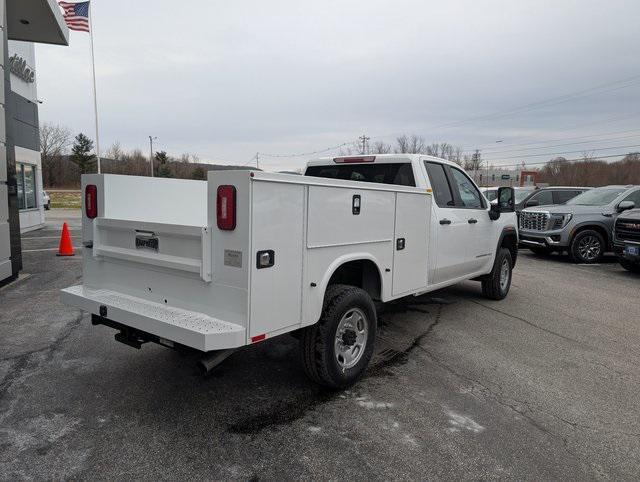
(468,194)
(390,173)
(440,185)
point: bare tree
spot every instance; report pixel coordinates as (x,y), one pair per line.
(410,145)
(115,151)
(456,156)
(381,148)
(473,162)
(54,140)
(588,155)
(54,143)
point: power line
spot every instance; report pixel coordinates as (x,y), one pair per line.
(539,163)
(560,145)
(609,120)
(551,101)
(301,154)
(559,139)
(548,102)
(567,152)
(619,84)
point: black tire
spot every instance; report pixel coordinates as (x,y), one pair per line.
(492,285)
(629,266)
(539,250)
(579,251)
(317,344)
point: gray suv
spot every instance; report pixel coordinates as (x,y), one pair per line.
(582,226)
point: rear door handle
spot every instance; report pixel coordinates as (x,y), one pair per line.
(472,221)
(445,221)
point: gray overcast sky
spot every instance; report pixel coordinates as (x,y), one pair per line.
(224,80)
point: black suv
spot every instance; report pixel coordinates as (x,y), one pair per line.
(626,240)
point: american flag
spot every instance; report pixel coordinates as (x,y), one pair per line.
(76,15)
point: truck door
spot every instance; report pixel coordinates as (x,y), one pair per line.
(413,212)
(471,206)
(450,226)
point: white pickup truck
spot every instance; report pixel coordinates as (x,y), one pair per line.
(245,256)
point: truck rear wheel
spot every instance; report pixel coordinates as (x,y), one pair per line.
(496,284)
(336,351)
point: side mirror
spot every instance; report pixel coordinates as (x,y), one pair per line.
(625,205)
(532,203)
(506,200)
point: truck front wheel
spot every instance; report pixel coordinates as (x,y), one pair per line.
(587,247)
(496,284)
(336,351)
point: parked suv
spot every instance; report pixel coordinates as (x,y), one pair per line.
(583,226)
(547,196)
(626,239)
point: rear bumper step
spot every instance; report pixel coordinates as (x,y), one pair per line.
(189,328)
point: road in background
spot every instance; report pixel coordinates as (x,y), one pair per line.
(542,385)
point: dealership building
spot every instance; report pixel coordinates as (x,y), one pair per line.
(23,23)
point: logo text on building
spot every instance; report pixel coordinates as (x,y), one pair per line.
(20,68)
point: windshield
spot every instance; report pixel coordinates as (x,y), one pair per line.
(520,194)
(596,197)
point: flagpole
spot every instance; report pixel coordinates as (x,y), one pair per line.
(95,98)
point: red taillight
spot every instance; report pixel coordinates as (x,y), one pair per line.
(226,207)
(91,201)
(350,160)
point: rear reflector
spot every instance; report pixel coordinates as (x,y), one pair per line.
(349,160)
(256,338)
(226,207)
(91,201)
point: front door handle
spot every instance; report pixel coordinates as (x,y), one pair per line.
(445,221)
(472,221)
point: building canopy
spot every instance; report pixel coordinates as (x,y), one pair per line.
(37,21)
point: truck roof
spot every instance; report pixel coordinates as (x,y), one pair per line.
(376,158)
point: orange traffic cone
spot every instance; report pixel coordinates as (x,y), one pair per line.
(66,246)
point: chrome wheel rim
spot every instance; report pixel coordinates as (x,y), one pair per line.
(504,274)
(351,338)
(589,248)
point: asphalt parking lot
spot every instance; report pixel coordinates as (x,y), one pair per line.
(542,385)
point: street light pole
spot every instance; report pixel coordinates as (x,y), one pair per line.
(151,139)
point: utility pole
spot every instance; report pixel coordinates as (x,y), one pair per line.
(151,139)
(364,139)
(257,160)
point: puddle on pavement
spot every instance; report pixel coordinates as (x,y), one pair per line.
(403,325)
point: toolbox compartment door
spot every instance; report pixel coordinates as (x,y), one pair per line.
(340,216)
(411,244)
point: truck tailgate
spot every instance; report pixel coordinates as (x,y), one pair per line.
(173,246)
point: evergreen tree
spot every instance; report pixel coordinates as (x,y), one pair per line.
(81,154)
(199,173)
(164,169)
